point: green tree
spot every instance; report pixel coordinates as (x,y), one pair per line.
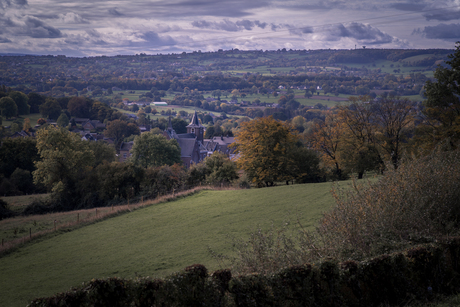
(63,120)
(18,153)
(64,159)
(120,129)
(442,106)
(155,150)
(266,150)
(102,151)
(8,107)
(51,108)
(22,102)
(220,169)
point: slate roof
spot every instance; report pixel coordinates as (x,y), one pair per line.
(187,146)
(195,122)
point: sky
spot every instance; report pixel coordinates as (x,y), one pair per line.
(95,28)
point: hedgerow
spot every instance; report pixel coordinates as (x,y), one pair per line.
(421,273)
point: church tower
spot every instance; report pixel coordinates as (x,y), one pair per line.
(196,128)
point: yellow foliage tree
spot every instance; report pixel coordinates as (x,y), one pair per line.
(267,149)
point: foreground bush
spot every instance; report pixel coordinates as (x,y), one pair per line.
(421,273)
(418,202)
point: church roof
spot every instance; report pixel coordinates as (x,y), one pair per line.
(195,122)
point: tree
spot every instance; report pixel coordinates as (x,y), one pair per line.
(120,129)
(63,120)
(393,117)
(266,150)
(80,107)
(26,127)
(51,108)
(325,137)
(8,107)
(442,107)
(21,101)
(220,169)
(18,153)
(155,150)
(360,135)
(102,151)
(64,159)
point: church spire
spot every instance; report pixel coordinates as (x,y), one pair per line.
(196,127)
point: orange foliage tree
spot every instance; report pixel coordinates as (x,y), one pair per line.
(267,151)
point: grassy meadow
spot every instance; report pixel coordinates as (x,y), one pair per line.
(155,240)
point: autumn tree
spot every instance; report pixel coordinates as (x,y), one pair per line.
(155,150)
(80,107)
(266,149)
(325,137)
(394,117)
(360,142)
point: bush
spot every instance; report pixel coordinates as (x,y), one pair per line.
(416,203)
(5,211)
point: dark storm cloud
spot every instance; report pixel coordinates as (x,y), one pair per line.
(443,15)
(319,5)
(219,8)
(152,39)
(38,29)
(441,31)
(115,12)
(299,31)
(414,5)
(8,3)
(228,25)
(30,26)
(358,31)
(4,40)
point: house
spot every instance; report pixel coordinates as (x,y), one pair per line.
(125,149)
(93,125)
(22,134)
(190,143)
(220,144)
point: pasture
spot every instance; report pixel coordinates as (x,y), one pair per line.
(155,240)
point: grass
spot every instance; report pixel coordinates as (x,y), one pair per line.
(33,120)
(18,203)
(155,240)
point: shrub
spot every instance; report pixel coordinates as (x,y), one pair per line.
(416,203)
(5,211)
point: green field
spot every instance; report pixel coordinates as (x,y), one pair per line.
(156,240)
(33,120)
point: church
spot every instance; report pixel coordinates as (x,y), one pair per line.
(194,148)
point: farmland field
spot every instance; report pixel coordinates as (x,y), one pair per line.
(155,240)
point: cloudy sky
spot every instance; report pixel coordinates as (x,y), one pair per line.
(90,28)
